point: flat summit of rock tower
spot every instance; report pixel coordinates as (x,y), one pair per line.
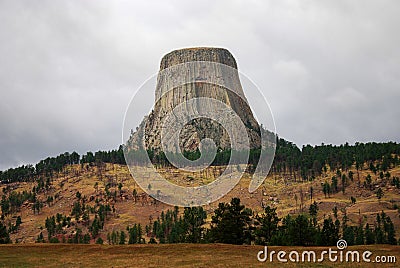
(212,54)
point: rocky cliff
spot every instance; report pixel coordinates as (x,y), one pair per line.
(189,74)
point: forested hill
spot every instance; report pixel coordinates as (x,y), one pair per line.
(310,161)
(52,165)
(306,163)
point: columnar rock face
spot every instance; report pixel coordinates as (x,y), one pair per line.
(193,73)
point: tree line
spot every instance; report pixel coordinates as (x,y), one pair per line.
(305,163)
(233,223)
(51,165)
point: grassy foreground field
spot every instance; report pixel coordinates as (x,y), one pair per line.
(175,255)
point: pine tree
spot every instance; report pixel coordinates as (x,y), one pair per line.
(230,223)
(18,222)
(379,194)
(369,235)
(86,239)
(267,225)
(359,235)
(133,234)
(313,211)
(4,236)
(348,235)
(329,233)
(122,238)
(40,238)
(193,220)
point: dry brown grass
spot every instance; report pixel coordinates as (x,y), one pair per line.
(175,255)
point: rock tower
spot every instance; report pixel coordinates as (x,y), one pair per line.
(195,73)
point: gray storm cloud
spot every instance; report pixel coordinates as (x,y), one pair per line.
(330,69)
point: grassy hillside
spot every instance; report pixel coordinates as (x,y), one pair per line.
(111,184)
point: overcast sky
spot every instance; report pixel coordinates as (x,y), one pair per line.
(329,69)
